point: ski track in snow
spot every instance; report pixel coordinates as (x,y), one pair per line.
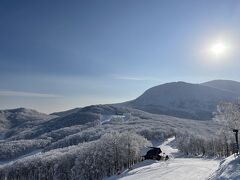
(176,168)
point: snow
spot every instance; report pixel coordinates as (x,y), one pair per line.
(228,169)
(107,118)
(178,167)
(165,147)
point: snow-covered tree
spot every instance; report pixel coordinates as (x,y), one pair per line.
(228,115)
(112,153)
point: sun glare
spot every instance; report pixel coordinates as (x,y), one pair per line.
(218,49)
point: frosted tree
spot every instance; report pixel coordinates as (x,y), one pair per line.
(228,115)
(107,156)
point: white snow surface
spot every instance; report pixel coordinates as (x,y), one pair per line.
(166,148)
(179,168)
(229,169)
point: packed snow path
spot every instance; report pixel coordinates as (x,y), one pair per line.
(175,168)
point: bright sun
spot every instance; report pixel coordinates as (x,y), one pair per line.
(218,49)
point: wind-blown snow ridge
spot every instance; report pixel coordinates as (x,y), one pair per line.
(229,169)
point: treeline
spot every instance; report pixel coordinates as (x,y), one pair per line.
(94,133)
(87,135)
(113,153)
(13,149)
(94,160)
(156,134)
(191,145)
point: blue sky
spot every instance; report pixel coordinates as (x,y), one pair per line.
(57,55)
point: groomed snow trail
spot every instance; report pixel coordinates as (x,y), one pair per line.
(175,168)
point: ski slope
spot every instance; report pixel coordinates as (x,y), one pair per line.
(176,168)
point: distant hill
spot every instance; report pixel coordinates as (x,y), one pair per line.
(14,117)
(67,112)
(185,100)
(226,85)
(25,123)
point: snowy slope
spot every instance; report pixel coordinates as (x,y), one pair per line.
(175,168)
(181,99)
(228,169)
(166,148)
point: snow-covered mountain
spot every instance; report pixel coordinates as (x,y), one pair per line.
(226,85)
(185,100)
(14,117)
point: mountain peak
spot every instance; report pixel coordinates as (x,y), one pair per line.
(186,100)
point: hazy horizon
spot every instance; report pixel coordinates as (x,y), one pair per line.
(58,55)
